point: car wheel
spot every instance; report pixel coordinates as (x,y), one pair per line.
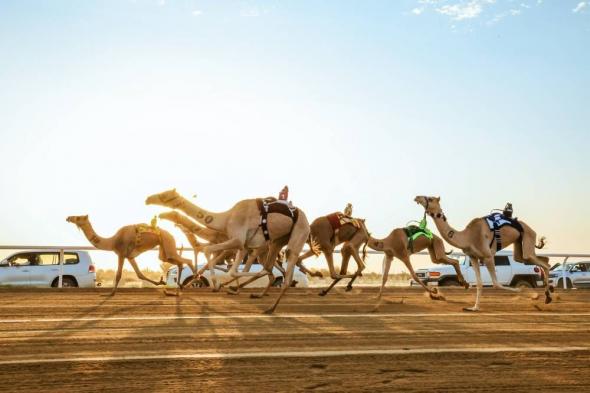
(200,283)
(278,282)
(523,284)
(449,282)
(67,282)
(568,283)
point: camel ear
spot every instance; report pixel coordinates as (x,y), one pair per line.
(437,199)
(86,216)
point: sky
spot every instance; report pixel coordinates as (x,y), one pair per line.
(481,102)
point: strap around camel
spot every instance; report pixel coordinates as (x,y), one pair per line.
(496,221)
(271,205)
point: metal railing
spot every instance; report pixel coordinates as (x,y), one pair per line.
(62,249)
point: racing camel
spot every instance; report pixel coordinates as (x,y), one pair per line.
(403,242)
(132,240)
(330,231)
(249,224)
(480,243)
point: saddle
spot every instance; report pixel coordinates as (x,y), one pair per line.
(272,205)
(496,221)
(413,232)
(337,220)
(145,228)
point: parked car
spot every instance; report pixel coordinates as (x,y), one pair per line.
(577,275)
(42,269)
(508,271)
(222,275)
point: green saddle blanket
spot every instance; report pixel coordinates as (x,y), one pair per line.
(415,231)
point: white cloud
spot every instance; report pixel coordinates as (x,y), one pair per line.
(197,13)
(418,11)
(161,3)
(464,10)
(580,7)
(515,12)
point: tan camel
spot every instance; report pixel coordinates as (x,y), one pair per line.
(327,233)
(398,245)
(244,225)
(191,228)
(479,243)
(132,240)
(210,235)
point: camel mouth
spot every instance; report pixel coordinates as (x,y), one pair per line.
(151,200)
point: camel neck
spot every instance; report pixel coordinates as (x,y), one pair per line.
(99,242)
(451,235)
(209,219)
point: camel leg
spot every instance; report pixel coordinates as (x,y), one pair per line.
(518,256)
(359,263)
(438,256)
(346,253)
(294,247)
(432,292)
(305,270)
(233,272)
(140,275)
(271,260)
(386,266)
(489,261)
(118,275)
(475,265)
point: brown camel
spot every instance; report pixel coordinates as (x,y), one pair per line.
(398,245)
(244,225)
(479,243)
(132,240)
(327,233)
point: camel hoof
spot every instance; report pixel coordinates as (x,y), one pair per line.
(465,285)
(437,297)
(548,299)
(470,309)
(269,311)
(317,274)
(551,288)
(255,296)
(348,288)
(323,293)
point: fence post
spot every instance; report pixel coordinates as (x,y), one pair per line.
(61,268)
(563,273)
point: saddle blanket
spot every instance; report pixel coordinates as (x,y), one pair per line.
(338,219)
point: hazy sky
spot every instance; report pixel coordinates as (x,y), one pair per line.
(370,102)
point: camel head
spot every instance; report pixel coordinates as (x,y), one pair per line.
(78,220)
(430,204)
(163,198)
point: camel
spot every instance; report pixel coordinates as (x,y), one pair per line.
(191,228)
(399,245)
(249,224)
(210,235)
(132,240)
(480,243)
(326,233)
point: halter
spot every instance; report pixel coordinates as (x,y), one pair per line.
(433,215)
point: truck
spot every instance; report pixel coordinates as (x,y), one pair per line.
(508,271)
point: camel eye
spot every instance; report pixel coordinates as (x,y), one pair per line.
(429,199)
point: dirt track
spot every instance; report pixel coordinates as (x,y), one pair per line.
(77,340)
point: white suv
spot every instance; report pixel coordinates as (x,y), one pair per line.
(42,269)
(508,271)
(577,275)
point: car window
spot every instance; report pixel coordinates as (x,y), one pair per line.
(71,258)
(501,260)
(48,258)
(23,259)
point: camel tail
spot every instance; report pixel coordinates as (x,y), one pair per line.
(365,250)
(542,243)
(314,246)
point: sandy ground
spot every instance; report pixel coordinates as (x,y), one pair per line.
(141,340)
